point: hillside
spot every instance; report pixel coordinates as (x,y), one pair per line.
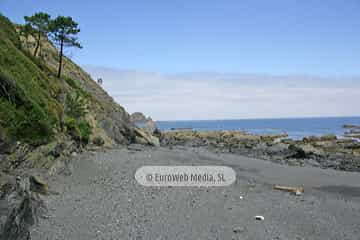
(44,119)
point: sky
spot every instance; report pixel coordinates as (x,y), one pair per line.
(220,58)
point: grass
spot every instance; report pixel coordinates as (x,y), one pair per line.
(28,111)
(30,108)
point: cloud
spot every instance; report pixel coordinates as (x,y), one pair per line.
(199,96)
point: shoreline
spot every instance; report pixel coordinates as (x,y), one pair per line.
(326,151)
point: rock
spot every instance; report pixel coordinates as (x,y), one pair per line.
(310,139)
(22,210)
(18,223)
(353,131)
(352,145)
(157,133)
(138,117)
(297,152)
(145,138)
(149,127)
(57,150)
(119,131)
(324,151)
(287,141)
(98,141)
(351,126)
(328,137)
(38,185)
(303,151)
(239,229)
(273,137)
(277,149)
(259,218)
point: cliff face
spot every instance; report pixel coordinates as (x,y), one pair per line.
(108,119)
(52,117)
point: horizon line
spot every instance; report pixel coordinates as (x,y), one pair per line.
(265,118)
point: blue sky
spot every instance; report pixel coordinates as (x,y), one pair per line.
(217,59)
(264,37)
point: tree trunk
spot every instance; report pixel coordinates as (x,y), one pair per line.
(60,57)
(37,44)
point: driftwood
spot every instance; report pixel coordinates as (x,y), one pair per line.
(295,190)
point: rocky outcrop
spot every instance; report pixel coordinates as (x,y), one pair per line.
(324,151)
(143,122)
(20,209)
(145,138)
(138,117)
(352,126)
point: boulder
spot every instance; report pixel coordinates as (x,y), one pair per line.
(38,185)
(98,141)
(143,137)
(150,127)
(138,117)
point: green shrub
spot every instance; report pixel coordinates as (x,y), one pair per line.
(85,131)
(75,105)
(72,129)
(80,130)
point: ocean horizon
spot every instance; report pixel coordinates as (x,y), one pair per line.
(296,128)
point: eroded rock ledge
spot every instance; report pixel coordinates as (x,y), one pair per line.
(326,151)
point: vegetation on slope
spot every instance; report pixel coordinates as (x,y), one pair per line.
(52,117)
(31,108)
(28,110)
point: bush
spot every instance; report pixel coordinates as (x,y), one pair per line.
(85,131)
(80,130)
(75,105)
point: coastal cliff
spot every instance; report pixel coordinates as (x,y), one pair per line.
(44,119)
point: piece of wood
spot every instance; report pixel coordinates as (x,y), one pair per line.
(295,190)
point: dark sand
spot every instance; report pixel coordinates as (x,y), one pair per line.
(102,200)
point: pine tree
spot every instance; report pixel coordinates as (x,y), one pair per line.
(63,32)
(39,23)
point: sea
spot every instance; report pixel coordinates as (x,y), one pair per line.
(296,128)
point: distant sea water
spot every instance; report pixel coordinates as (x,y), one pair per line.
(296,128)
